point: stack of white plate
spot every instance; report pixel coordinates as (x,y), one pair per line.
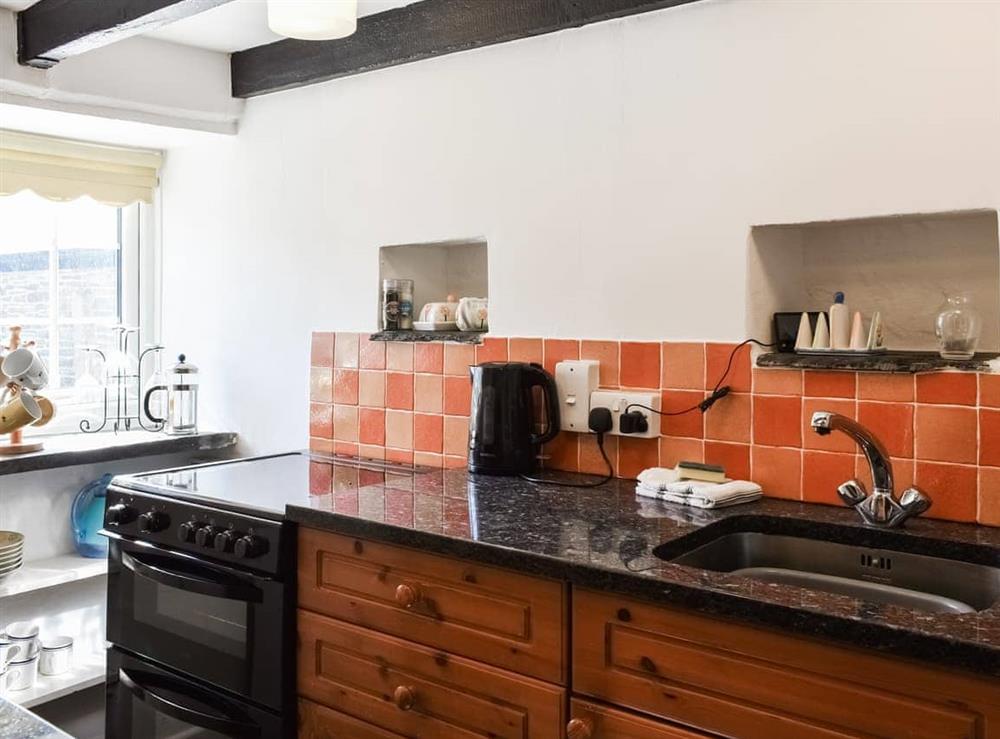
(11,552)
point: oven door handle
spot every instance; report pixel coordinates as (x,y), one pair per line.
(228,726)
(228,588)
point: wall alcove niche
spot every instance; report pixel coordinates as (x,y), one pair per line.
(900,265)
(438,269)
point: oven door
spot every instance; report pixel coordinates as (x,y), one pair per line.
(225,627)
(146,701)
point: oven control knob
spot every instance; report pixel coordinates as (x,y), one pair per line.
(187,530)
(205,536)
(224,542)
(250,546)
(153,521)
(120,513)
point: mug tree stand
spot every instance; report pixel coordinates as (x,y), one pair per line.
(16,445)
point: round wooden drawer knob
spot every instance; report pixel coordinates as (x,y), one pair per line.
(404,697)
(407,595)
(579,728)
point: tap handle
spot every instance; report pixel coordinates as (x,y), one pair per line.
(852,493)
(914,502)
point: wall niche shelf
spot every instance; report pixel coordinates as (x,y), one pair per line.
(893,361)
(457,337)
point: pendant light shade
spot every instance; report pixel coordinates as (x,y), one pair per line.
(313,20)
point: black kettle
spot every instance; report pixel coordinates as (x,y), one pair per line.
(502,438)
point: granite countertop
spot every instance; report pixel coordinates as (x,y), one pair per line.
(602,538)
(20,723)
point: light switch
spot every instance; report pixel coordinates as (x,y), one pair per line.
(575,380)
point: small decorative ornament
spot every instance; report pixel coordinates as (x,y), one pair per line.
(957,327)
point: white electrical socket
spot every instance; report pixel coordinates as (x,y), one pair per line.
(617,400)
(575,381)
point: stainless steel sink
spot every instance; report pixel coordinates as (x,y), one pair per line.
(916,581)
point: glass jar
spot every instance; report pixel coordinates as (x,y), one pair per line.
(957,327)
(397,304)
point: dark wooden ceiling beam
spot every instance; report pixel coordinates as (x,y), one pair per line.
(52,30)
(419,31)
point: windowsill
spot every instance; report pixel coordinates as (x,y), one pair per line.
(73,449)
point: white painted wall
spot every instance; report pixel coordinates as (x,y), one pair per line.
(137,79)
(615,171)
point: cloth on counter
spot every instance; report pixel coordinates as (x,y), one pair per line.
(657,478)
(700,494)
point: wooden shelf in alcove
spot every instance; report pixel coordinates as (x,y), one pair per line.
(460,337)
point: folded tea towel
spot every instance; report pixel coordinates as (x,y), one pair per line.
(702,494)
(657,478)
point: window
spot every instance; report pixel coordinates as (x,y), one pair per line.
(69,273)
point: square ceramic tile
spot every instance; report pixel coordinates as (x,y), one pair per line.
(321,353)
(321,420)
(457,396)
(946,434)
(345,353)
(953,490)
(345,423)
(345,386)
(989,437)
(830,384)
(399,356)
(371,354)
(989,391)
(605,352)
(371,388)
(691,423)
(556,350)
(428,433)
(526,350)
(321,385)
(674,450)
(949,388)
(563,452)
(428,358)
(399,390)
(777,420)
(729,419)
(456,436)
(823,473)
(989,496)
(769,381)
(636,455)
(734,457)
(717,358)
(778,471)
(492,349)
(591,460)
(458,358)
(886,387)
(372,426)
(682,365)
(836,441)
(428,393)
(640,364)
(398,431)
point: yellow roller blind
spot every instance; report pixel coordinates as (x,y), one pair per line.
(63,169)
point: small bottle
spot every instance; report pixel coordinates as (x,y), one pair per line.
(840,323)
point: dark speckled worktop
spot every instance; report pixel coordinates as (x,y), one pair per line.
(601,538)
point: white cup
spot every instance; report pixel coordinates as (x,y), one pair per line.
(56,656)
(23,635)
(22,674)
(7,652)
(24,367)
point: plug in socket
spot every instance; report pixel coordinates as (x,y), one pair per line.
(617,400)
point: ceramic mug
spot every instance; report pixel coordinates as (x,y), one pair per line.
(22,673)
(20,410)
(48,409)
(8,651)
(439,312)
(24,636)
(473,314)
(24,367)
(56,656)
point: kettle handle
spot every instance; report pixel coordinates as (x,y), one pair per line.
(537,375)
(145,403)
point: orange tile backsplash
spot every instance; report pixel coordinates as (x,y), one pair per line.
(410,403)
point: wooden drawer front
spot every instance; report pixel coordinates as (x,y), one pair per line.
(419,691)
(594,721)
(746,682)
(488,614)
(320,722)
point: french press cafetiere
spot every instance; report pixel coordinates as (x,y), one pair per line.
(182,399)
